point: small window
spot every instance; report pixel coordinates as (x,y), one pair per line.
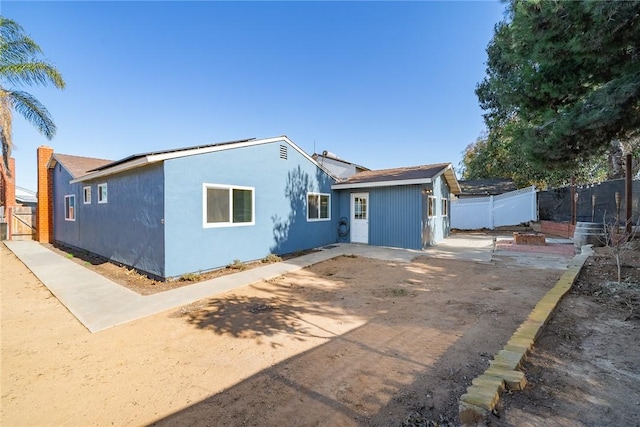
(102,193)
(318,207)
(360,208)
(445,207)
(228,206)
(86,191)
(70,208)
(432,206)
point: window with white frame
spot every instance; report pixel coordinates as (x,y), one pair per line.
(318,207)
(226,205)
(432,206)
(86,195)
(445,207)
(102,193)
(70,208)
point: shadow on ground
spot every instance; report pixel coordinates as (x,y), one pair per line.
(421,332)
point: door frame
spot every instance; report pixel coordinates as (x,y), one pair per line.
(352,214)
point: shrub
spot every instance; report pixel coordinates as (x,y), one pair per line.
(189,277)
(271,258)
(399,292)
(237,265)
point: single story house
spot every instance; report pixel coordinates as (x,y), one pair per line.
(402,207)
(172,212)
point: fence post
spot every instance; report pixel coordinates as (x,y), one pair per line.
(491,214)
(534,203)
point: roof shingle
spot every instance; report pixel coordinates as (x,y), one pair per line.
(397,174)
(77,165)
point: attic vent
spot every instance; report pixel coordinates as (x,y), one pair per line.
(283,152)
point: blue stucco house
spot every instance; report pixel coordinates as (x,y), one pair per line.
(172,212)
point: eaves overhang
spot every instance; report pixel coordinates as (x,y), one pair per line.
(371,184)
(143,160)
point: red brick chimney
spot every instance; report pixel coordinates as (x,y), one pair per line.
(44,214)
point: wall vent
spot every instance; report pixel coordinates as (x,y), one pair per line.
(283,152)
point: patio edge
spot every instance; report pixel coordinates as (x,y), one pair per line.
(483,395)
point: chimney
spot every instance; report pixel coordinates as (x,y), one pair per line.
(44,215)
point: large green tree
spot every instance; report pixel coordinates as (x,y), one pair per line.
(563,79)
(21,65)
(499,157)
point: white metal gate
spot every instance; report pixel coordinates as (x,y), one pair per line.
(512,208)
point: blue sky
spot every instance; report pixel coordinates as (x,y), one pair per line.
(382,84)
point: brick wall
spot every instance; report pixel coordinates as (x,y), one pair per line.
(559,229)
(44,215)
(529,239)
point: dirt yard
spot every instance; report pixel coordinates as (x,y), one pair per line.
(144,285)
(350,341)
(585,368)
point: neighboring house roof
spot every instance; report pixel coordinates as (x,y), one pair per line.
(424,174)
(77,166)
(330,156)
(486,187)
(139,160)
(24,195)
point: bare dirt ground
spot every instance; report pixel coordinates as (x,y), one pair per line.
(585,368)
(350,341)
(144,285)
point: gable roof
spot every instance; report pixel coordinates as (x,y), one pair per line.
(77,166)
(487,187)
(139,160)
(424,174)
(173,153)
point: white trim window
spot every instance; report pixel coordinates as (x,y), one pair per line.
(70,207)
(445,207)
(102,193)
(227,206)
(86,195)
(318,207)
(431,210)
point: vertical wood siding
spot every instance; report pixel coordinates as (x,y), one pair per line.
(395,216)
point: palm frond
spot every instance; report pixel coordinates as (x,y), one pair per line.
(16,51)
(33,111)
(10,29)
(31,73)
(20,64)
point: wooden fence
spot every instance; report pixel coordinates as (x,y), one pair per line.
(20,224)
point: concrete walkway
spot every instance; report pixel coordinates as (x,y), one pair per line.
(99,303)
